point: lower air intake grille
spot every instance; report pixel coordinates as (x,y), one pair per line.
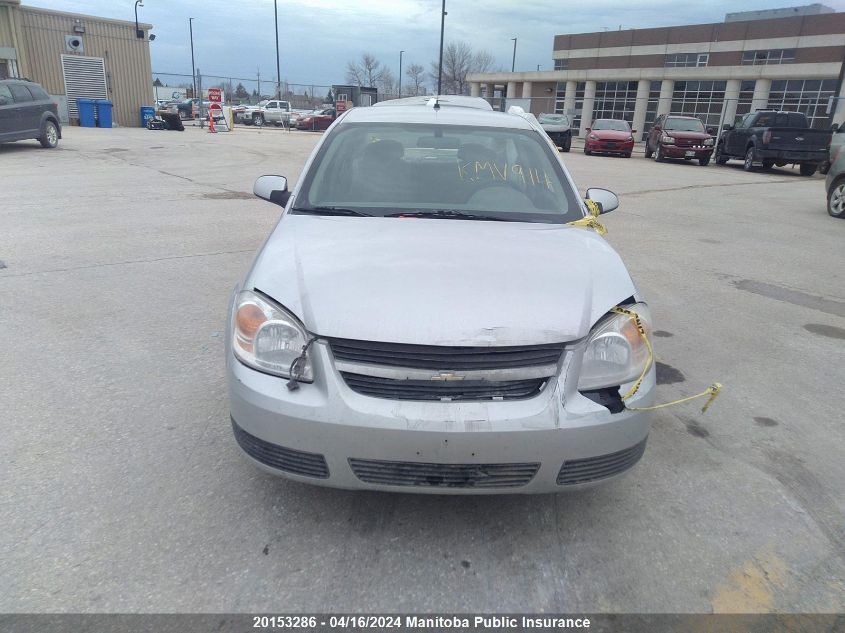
(281,458)
(440,390)
(579,471)
(443,475)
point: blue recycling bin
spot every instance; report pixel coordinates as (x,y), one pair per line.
(87,117)
(104,108)
(147,113)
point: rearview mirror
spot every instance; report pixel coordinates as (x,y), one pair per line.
(272,188)
(607,200)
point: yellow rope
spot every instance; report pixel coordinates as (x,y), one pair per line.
(590,221)
(713,390)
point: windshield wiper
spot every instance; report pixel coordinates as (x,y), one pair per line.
(329,211)
(445,213)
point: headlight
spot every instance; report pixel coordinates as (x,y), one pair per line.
(594,137)
(667,140)
(630,138)
(267,337)
(708,141)
(616,353)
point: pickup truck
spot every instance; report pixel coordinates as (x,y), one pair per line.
(766,138)
(268,111)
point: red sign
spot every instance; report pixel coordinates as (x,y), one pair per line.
(215,95)
(340,106)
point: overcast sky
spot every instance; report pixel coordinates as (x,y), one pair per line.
(317,37)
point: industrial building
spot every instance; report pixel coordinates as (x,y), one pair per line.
(788,59)
(75,56)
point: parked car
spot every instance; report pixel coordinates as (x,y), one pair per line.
(28,112)
(767,138)
(187,109)
(318,121)
(424,318)
(674,136)
(835,181)
(267,111)
(610,136)
(558,127)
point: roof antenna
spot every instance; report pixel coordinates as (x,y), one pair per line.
(434,102)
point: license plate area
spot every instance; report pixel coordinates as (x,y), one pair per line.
(690,154)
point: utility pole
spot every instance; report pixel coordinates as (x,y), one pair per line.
(193,65)
(513,63)
(278,65)
(400,73)
(440,65)
(258,72)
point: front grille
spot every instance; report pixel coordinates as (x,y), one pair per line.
(281,458)
(442,390)
(580,471)
(445,358)
(443,475)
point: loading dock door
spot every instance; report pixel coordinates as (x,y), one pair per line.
(85,77)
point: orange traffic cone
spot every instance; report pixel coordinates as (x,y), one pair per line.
(211,128)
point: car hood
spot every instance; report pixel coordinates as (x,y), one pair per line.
(691,136)
(440,282)
(612,135)
(554,127)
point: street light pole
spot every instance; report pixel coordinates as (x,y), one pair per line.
(513,63)
(400,73)
(138,32)
(278,65)
(440,65)
(193,64)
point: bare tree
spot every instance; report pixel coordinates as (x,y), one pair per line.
(416,73)
(366,72)
(386,83)
(459,60)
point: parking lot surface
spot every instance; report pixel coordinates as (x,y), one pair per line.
(123,488)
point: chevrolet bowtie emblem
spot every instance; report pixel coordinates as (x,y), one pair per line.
(445,375)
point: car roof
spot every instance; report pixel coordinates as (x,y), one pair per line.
(452,110)
(680,116)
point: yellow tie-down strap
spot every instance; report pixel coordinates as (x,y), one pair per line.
(590,221)
(713,390)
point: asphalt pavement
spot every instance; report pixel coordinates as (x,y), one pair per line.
(123,489)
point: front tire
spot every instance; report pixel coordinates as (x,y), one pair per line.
(586,151)
(748,165)
(49,138)
(648,151)
(568,144)
(704,161)
(258,119)
(836,199)
(808,169)
(721,159)
(658,154)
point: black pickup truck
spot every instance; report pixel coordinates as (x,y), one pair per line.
(766,138)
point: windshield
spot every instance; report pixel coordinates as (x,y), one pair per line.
(684,125)
(263,104)
(556,119)
(611,124)
(392,168)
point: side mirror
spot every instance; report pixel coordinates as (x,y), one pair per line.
(711,130)
(272,188)
(727,126)
(835,127)
(607,200)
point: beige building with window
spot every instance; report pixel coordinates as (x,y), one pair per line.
(787,59)
(74,56)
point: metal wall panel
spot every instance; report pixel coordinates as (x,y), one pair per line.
(126,57)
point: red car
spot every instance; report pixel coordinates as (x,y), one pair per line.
(679,137)
(320,121)
(610,136)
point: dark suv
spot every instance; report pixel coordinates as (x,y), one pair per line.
(27,111)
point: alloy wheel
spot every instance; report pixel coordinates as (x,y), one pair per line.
(836,201)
